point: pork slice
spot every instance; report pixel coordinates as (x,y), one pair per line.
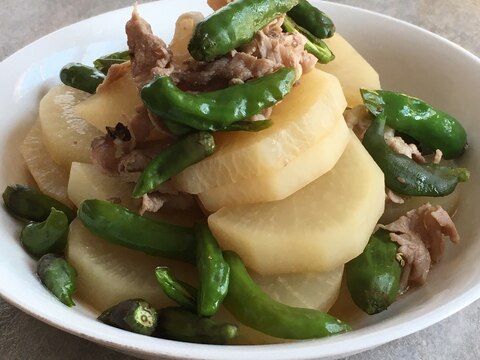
(149,54)
(107,150)
(156,200)
(151,202)
(217,4)
(398,145)
(141,124)
(392,197)
(438,156)
(234,68)
(284,49)
(358,119)
(420,234)
(414,257)
(270,50)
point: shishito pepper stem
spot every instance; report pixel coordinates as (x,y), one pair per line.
(134,315)
(121,226)
(403,175)
(216,110)
(254,308)
(173,159)
(233,25)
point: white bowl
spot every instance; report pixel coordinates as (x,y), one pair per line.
(408,59)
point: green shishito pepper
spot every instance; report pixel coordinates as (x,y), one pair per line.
(251,126)
(233,25)
(81,77)
(121,226)
(49,236)
(30,204)
(182,293)
(315,21)
(213,272)
(403,175)
(176,323)
(214,111)
(135,315)
(105,62)
(432,127)
(173,159)
(373,278)
(254,308)
(314,45)
(58,276)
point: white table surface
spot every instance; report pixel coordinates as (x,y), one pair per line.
(23,337)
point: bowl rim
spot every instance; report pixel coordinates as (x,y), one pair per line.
(341,345)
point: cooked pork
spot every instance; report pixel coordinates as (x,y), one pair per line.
(398,145)
(149,54)
(358,119)
(420,234)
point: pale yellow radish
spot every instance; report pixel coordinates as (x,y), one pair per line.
(308,290)
(300,120)
(311,290)
(279,184)
(319,228)
(353,71)
(88,182)
(85,250)
(50,178)
(66,136)
(116,102)
(184,28)
(108,274)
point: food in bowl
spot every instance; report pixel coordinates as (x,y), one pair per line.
(258,170)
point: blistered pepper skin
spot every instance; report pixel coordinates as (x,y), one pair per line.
(30,204)
(373,278)
(173,159)
(254,308)
(216,110)
(81,77)
(432,127)
(176,323)
(233,25)
(315,21)
(121,226)
(213,272)
(58,276)
(49,236)
(403,175)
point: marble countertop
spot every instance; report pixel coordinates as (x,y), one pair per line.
(22,22)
